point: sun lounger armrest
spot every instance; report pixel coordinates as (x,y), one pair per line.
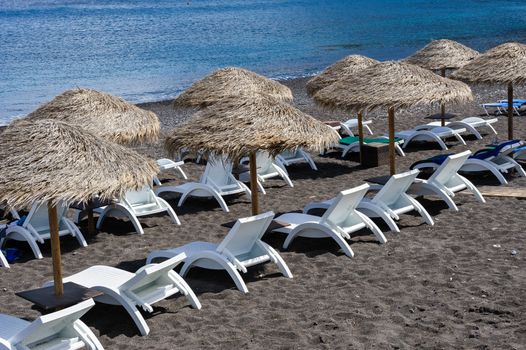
(234,260)
(271,255)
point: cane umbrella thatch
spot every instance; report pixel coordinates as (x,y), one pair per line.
(345,66)
(241,125)
(102,114)
(442,54)
(50,161)
(391,85)
(503,64)
(230,81)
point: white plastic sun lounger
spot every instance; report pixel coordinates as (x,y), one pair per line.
(150,284)
(266,169)
(501,107)
(496,160)
(167,164)
(241,248)
(445,181)
(352,144)
(338,222)
(135,204)
(217,181)
(35,228)
(60,330)
(287,158)
(437,134)
(347,126)
(391,201)
(3,260)
(471,125)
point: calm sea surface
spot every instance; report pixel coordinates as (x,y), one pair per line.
(151,50)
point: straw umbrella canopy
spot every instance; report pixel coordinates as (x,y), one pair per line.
(50,161)
(392,85)
(503,64)
(103,114)
(230,81)
(441,55)
(237,126)
(347,65)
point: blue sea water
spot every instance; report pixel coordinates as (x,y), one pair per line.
(150,50)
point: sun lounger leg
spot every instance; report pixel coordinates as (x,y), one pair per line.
(3,261)
(372,226)
(87,336)
(421,210)
(282,266)
(382,214)
(337,238)
(136,316)
(156,181)
(183,174)
(368,129)
(185,289)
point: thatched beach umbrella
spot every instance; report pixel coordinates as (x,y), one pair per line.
(103,114)
(504,64)
(440,55)
(237,126)
(392,85)
(50,161)
(345,67)
(228,82)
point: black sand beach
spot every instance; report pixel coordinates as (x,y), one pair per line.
(452,285)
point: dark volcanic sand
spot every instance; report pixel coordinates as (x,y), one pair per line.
(453,285)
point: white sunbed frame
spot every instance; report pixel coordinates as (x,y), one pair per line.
(135,204)
(150,284)
(217,181)
(3,260)
(498,166)
(347,125)
(436,134)
(35,228)
(338,222)
(391,201)
(167,164)
(287,158)
(60,330)
(241,248)
(500,105)
(266,169)
(445,181)
(469,124)
(355,147)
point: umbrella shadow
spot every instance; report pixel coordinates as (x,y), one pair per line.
(324,171)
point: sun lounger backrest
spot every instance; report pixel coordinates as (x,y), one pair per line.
(397,184)
(38,215)
(264,163)
(245,233)
(344,204)
(148,274)
(217,171)
(450,167)
(142,196)
(50,326)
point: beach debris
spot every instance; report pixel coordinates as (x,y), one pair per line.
(513,252)
(496,245)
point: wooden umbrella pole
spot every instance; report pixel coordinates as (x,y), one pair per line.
(55,249)
(91,220)
(442,105)
(510,111)
(254,183)
(392,165)
(360,135)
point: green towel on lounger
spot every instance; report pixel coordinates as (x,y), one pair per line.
(351,139)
